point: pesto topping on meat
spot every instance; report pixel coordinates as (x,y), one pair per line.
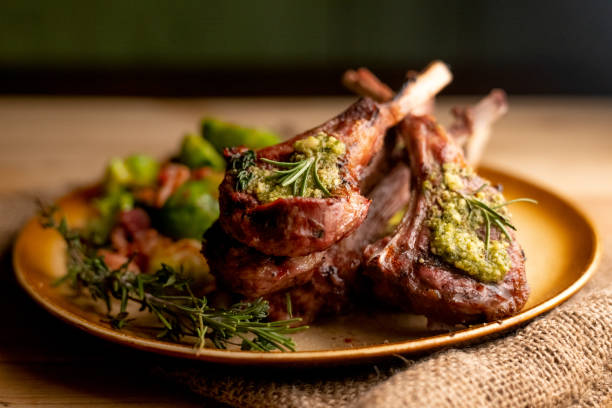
(313,171)
(459,233)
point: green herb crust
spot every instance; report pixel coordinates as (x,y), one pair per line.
(461,225)
(312,172)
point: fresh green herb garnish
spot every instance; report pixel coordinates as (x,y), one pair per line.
(490,213)
(169,298)
(297,175)
(289,306)
(241,164)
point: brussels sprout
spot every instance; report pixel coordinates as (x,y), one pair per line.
(133,171)
(198,152)
(212,179)
(117,173)
(144,169)
(222,134)
(113,202)
(108,206)
(189,212)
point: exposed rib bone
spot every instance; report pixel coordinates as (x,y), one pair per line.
(472,126)
(363,82)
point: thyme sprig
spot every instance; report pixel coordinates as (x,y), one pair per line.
(491,216)
(297,175)
(168,296)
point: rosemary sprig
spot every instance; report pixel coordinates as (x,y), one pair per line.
(169,298)
(491,215)
(297,175)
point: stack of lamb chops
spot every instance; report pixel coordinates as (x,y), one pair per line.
(318,254)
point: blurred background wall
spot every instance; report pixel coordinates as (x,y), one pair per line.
(193,48)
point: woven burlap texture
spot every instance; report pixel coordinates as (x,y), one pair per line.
(563,359)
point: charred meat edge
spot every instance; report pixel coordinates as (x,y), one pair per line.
(405,273)
(298,226)
(332,282)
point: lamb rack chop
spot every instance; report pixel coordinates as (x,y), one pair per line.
(308,210)
(335,277)
(251,273)
(329,288)
(454,257)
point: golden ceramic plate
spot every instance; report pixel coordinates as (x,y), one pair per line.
(560,242)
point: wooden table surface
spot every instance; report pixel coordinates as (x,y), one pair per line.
(50,144)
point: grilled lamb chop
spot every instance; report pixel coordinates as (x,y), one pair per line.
(296,226)
(326,292)
(403,267)
(248,272)
(253,274)
(335,277)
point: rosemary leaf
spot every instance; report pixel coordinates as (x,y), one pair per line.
(297,175)
(487,230)
(516,200)
(289,305)
(317,180)
(490,215)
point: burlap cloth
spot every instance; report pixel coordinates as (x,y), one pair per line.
(562,359)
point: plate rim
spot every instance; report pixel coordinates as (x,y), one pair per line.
(327,356)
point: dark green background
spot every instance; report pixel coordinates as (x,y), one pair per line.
(269,47)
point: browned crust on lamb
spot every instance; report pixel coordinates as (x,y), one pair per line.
(251,273)
(298,226)
(405,273)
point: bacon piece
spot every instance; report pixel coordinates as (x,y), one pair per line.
(171,177)
(115,260)
(134,220)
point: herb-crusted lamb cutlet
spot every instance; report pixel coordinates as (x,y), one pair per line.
(334,281)
(454,257)
(312,208)
(315,289)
